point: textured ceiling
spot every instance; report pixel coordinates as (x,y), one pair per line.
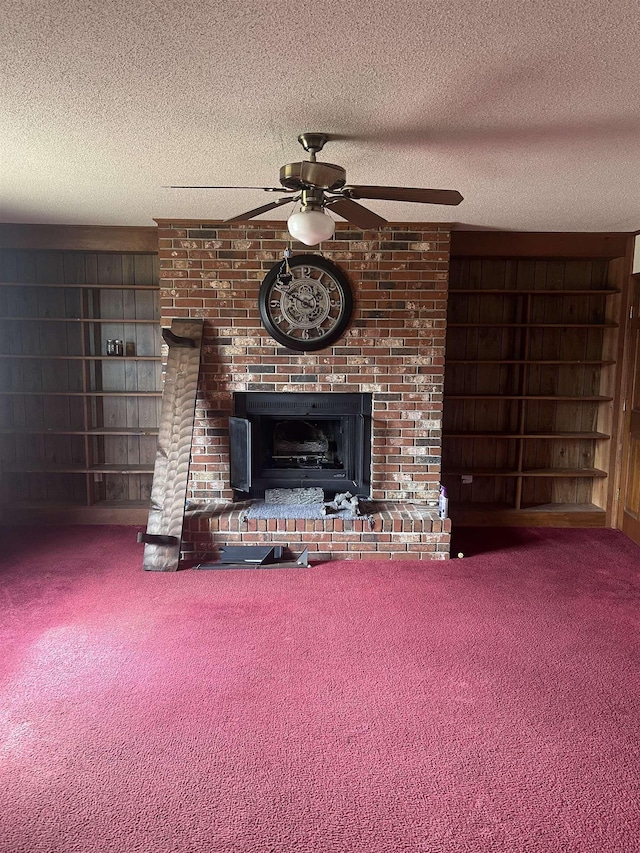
(530,109)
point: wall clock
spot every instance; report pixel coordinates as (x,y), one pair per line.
(306,306)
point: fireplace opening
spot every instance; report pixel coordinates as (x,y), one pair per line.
(293,440)
(304,444)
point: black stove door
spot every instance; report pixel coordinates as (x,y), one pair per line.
(240,453)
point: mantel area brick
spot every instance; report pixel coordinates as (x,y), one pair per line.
(393,348)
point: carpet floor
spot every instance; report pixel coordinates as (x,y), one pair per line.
(489,704)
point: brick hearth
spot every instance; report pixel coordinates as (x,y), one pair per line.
(394,349)
(411,531)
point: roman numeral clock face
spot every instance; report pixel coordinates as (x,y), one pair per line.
(308,307)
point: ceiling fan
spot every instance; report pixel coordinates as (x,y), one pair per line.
(320,186)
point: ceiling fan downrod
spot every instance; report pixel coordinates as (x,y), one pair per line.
(313,143)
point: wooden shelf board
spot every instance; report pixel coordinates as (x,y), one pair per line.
(593,398)
(92,431)
(71,468)
(553,473)
(75,505)
(504,507)
(562,361)
(122,504)
(123,431)
(106,468)
(85,357)
(83,393)
(20,505)
(81,286)
(106,321)
(493,291)
(489,325)
(560,507)
(598,436)
(107,512)
(544,515)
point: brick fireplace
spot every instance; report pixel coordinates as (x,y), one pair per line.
(392,350)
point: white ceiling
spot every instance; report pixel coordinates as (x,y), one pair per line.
(530,109)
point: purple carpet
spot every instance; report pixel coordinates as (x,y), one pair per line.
(490,703)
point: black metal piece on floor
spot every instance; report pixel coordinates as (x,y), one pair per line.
(301,563)
(256,554)
(157,539)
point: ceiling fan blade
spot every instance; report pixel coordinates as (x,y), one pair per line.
(265,189)
(258,210)
(356,213)
(404,194)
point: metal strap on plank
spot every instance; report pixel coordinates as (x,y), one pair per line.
(173,454)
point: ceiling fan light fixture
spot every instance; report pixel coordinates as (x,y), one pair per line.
(311,226)
(318,186)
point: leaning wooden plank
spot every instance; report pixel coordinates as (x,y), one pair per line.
(171,470)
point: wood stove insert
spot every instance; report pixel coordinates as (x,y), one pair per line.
(289,440)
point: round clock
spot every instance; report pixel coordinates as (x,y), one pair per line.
(308,306)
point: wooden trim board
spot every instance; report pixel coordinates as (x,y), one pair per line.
(171,471)
(543,244)
(79,238)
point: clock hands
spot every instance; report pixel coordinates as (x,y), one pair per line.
(302,301)
(292,295)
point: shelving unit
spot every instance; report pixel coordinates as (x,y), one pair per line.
(529,391)
(79,427)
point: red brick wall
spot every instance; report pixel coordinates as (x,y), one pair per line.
(393,348)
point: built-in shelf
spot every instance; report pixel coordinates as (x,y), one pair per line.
(528,390)
(64,398)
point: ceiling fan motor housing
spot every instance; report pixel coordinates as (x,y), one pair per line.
(323,176)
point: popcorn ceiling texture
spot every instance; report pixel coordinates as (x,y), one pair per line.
(530,110)
(393,348)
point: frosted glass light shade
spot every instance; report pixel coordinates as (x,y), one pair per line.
(310,226)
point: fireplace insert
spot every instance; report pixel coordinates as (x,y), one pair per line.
(288,440)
